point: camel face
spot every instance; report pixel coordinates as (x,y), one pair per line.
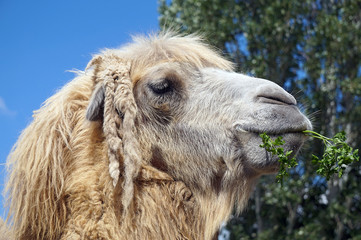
(249,106)
(210,119)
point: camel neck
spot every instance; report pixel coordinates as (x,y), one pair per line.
(168,201)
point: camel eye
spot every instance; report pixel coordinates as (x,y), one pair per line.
(161,87)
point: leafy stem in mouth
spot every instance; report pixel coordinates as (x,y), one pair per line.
(336,157)
(274,147)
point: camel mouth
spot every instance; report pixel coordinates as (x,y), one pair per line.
(293,142)
(296,129)
(294,137)
(261,161)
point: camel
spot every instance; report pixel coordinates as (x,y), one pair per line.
(158,139)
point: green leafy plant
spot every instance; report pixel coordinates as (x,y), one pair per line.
(284,158)
(336,157)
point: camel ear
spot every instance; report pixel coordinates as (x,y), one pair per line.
(96,105)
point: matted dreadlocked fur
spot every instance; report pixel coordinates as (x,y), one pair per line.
(119,131)
(57,186)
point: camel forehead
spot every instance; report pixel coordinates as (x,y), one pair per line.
(147,52)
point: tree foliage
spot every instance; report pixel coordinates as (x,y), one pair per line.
(312,48)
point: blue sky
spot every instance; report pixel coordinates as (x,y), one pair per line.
(40,40)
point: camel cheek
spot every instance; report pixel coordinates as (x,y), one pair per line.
(157,160)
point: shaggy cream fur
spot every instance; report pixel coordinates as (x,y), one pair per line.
(137,169)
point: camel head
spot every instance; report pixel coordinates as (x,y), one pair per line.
(196,119)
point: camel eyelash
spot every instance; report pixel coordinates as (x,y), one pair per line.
(161,87)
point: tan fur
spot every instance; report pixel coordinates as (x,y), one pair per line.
(59,185)
(5,233)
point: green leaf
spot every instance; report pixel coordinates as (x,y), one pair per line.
(337,155)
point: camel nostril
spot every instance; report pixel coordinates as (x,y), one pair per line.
(274,94)
(280,99)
